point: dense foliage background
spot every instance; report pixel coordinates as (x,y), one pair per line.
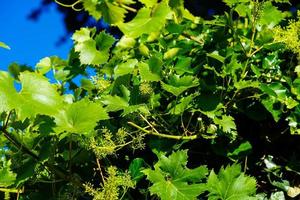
(184,104)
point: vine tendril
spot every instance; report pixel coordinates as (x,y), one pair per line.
(73,6)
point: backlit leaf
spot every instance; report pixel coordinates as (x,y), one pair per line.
(92,51)
(147,20)
(37,96)
(80,117)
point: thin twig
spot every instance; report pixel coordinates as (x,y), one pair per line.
(145,119)
(174,137)
(100,170)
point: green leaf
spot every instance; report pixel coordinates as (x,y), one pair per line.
(269,104)
(242,149)
(227,125)
(231,3)
(242,10)
(184,104)
(232,67)
(149,3)
(87,84)
(215,55)
(44,65)
(7,177)
(173,180)
(246,84)
(37,96)
(293,120)
(80,117)
(177,85)
(111,13)
(92,51)
(8,94)
(277,196)
(183,65)
(3,45)
(104,41)
(230,184)
(147,20)
(135,169)
(270,15)
(125,68)
(91,7)
(146,74)
(114,103)
(296,88)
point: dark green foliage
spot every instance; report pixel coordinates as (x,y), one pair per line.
(224,89)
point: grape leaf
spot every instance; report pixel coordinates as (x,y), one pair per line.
(111,11)
(125,68)
(231,183)
(7,177)
(147,20)
(176,85)
(135,168)
(293,120)
(149,3)
(37,96)
(173,180)
(91,7)
(114,103)
(147,74)
(184,104)
(44,65)
(8,94)
(80,117)
(227,125)
(270,15)
(231,3)
(92,51)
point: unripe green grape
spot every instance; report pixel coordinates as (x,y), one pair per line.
(153,36)
(144,50)
(171,53)
(126,42)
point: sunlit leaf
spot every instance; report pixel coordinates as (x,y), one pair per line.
(147,20)
(80,117)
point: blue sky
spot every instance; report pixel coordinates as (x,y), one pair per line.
(30,40)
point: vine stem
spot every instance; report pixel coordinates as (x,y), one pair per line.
(70,154)
(100,170)
(128,8)
(188,36)
(174,137)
